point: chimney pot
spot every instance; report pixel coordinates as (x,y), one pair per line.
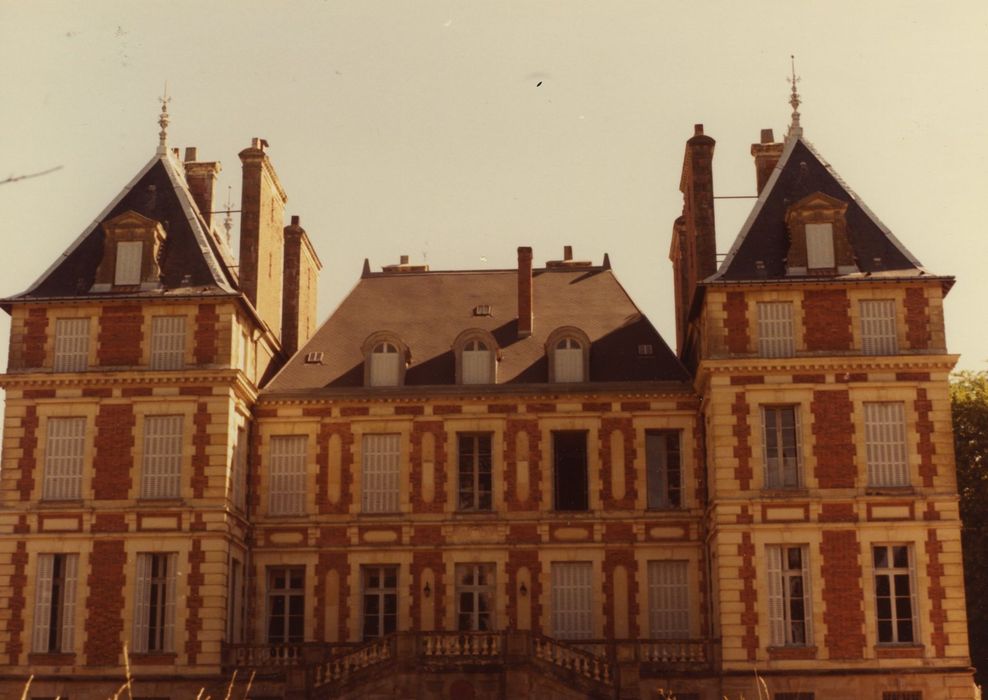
(191,154)
(698,129)
(768,136)
(295,219)
(525,321)
(403,260)
(567,252)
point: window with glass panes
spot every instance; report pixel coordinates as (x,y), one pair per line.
(781,447)
(167,342)
(885,440)
(895,597)
(475,597)
(71,352)
(668,599)
(568,361)
(384,369)
(380,600)
(789,595)
(474,471)
(286,604)
(572,600)
(475,363)
(776,337)
(65,445)
(878,332)
(154,609)
(54,603)
(663,468)
(161,468)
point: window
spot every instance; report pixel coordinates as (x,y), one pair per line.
(381,466)
(885,438)
(235,604)
(789,595)
(384,367)
(475,472)
(781,446)
(380,600)
(154,608)
(663,469)
(128,267)
(568,361)
(668,600)
(238,475)
(572,600)
(775,329)
(286,604)
(475,597)
(161,473)
(71,344)
(476,363)
(819,246)
(54,603)
(569,452)
(895,598)
(64,453)
(286,490)
(878,333)
(167,342)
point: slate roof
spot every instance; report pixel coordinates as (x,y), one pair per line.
(800,172)
(194,261)
(428,310)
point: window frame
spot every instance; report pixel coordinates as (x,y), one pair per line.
(478,594)
(70,347)
(562,483)
(382,468)
(776,332)
(167,484)
(54,603)
(775,478)
(576,337)
(662,599)
(572,621)
(63,473)
(470,464)
(386,620)
(289,594)
(782,604)
(490,356)
(879,327)
(822,249)
(401,359)
(891,573)
(287,475)
(167,345)
(124,272)
(884,456)
(664,484)
(154,603)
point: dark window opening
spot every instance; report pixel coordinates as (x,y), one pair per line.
(569,448)
(286,605)
(664,469)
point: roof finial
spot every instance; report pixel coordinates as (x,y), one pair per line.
(163,122)
(794,127)
(228,220)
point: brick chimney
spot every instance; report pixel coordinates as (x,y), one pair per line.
(301,280)
(262,245)
(201,179)
(525,319)
(767,154)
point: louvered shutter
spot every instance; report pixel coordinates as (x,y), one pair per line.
(568,361)
(71,345)
(64,454)
(476,363)
(776,599)
(162,464)
(381,463)
(141,605)
(775,329)
(287,475)
(807,594)
(885,436)
(819,246)
(42,603)
(68,602)
(167,342)
(669,599)
(878,332)
(384,365)
(128,267)
(572,600)
(239,470)
(168,636)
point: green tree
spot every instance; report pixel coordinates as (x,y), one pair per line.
(969,402)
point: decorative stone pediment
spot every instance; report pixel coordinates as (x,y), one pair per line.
(818,237)
(131,254)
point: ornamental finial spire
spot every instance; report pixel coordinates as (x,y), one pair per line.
(794,127)
(228,220)
(163,122)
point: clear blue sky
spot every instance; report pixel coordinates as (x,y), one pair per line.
(421,128)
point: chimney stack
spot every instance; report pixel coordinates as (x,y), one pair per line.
(767,154)
(201,179)
(301,286)
(525,320)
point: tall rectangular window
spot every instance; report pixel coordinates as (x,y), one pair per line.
(65,446)
(569,454)
(668,599)
(819,246)
(161,471)
(895,597)
(474,471)
(572,600)
(878,333)
(781,446)
(789,595)
(663,469)
(380,603)
(381,470)
(54,603)
(235,603)
(71,353)
(286,604)
(885,438)
(475,597)
(238,470)
(286,488)
(167,342)
(128,267)
(776,337)
(154,603)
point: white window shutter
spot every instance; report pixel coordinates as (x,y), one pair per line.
(168,638)
(384,361)
(885,436)
(64,455)
(68,602)
(71,352)
(807,594)
(775,329)
(878,330)
(381,468)
(819,246)
(568,361)
(167,342)
(572,600)
(162,464)
(287,475)
(776,600)
(476,363)
(668,584)
(141,606)
(128,267)
(42,603)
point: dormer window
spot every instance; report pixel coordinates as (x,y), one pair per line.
(818,237)
(128,268)
(820,246)
(385,358)
(476,357)
(568,356)
(131,250)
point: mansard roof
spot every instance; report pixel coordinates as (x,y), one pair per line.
(760,250)
(194,260)
(428,311)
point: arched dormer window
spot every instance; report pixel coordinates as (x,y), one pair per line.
(476,357)
(385,359)
(568,350)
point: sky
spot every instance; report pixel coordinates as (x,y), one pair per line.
(454,132)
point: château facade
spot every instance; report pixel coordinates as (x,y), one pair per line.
(481,484)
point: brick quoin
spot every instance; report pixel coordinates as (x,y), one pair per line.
(105,603)
(194,580)
(206,334)
(749,596)
(924,433)
(28,444)
(114,458)
(736,323)
(936,593)
(833,439)
(917,319)
(534,456)
(419,430)
(326,431)
(528,558)
(742,435)
(16,604)
(200,458)
(35,336)
(624,426)
(613,558)
(120,335)
(843,599)
(826,320)
(422,560)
